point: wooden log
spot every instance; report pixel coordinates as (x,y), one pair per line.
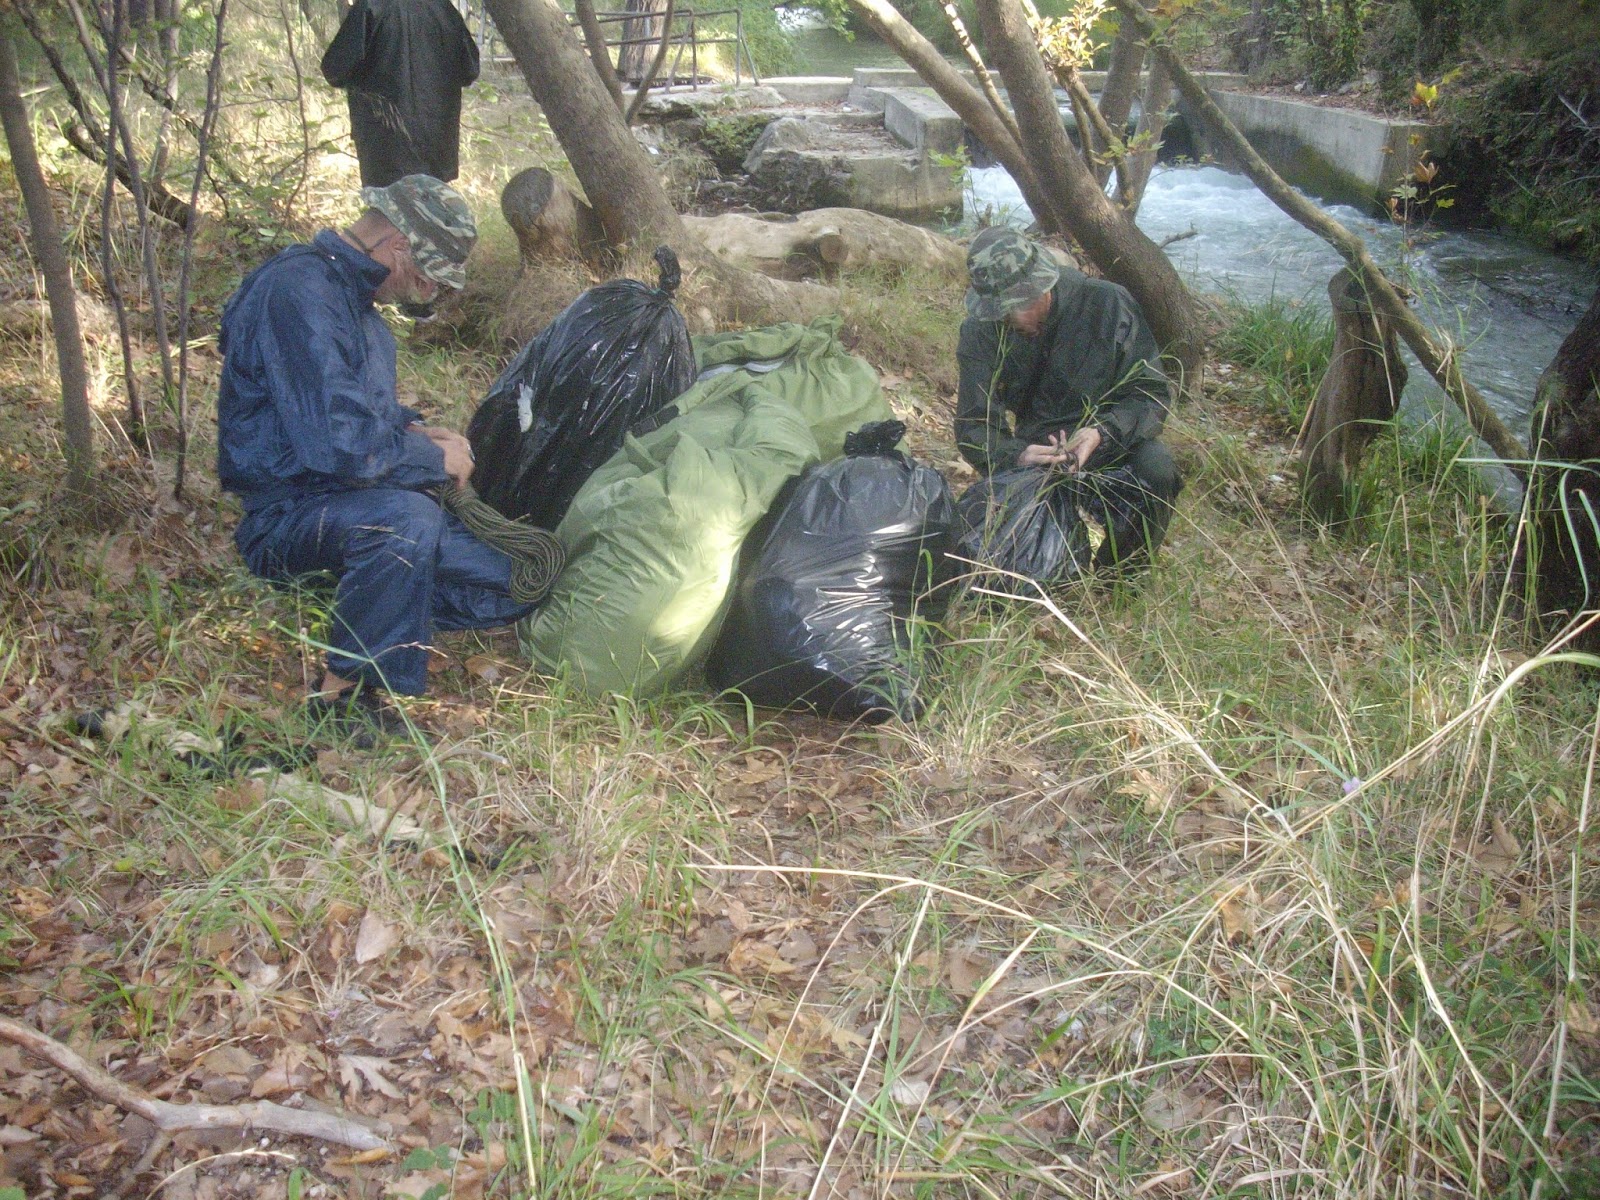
(1557,564)
(823,242)
(1356,398)
(549,219)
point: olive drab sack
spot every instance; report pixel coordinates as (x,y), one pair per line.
(653,538)
(613,358)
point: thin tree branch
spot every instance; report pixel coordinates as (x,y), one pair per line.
(1115,150)
(594,38)
(203,145)
(167,1117)
(1441,358)
(655,66)
(979,71)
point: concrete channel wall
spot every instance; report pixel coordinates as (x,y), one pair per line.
(1337,153)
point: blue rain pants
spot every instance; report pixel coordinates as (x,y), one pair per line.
(404,567)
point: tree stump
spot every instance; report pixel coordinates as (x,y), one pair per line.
(1557,565)
(1356,398)
(548,218)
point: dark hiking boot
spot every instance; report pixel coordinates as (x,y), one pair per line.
(357,713)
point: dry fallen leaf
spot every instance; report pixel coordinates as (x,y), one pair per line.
(488,668)
(240,795)
(1158,797)
(750,957)
(966,970)
(1581,1019)
(362,1157)
(375,938)
(1170,1108)
(1233,915)
(910,1091)
(358,1070)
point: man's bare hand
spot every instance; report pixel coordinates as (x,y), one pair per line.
(1045,454)
(458,459)
(1079,448)
(1070,452)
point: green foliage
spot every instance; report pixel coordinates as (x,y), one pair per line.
(1331,33)
(1286,344)
(1538,130)
(728,139)
(763,36)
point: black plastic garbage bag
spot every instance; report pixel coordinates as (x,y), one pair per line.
(1023,521)
(835,586)
(616,355)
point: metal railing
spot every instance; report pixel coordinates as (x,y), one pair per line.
(684,34)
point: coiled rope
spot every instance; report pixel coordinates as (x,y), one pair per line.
(536,556)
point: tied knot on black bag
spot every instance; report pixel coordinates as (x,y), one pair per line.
(880,437)
(671,273)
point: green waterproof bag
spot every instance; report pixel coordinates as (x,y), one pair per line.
(805,365)
(653,537)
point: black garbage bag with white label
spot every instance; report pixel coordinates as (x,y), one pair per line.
(837,589)
(613,358)
(1021,525)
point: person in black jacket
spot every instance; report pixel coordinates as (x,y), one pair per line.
(403,64)
(1061,372)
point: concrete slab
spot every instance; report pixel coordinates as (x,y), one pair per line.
(1337,153)
(679,103)
(811,89)
(921,120)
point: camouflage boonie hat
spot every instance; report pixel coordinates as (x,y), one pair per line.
(435,220)
(1008,272)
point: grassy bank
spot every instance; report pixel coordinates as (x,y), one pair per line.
(1270,879)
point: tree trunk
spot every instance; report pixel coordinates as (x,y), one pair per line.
(1121,85)
(824,242)
(1108,237)
(994,128)
(1557,565)
(618,176)
(1440,358)
(52,258)
(1356,398)
(613,168)
(642,88)
(1152,127)
(640,34)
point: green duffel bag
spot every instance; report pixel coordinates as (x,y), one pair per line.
(806,366)
(653,537)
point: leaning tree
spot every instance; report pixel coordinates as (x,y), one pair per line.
(45,241)
(616,173)
(1055,178)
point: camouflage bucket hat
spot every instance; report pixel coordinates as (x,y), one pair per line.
(1008,272)
(435,220)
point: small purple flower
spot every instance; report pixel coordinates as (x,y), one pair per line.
(1351,784)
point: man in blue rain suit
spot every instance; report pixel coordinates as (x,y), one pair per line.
(333,473)
(1060,372)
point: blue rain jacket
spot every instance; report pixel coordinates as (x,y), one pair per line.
(307,401)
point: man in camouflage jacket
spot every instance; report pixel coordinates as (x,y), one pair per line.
(1060,371)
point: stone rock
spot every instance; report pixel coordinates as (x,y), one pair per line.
(786,133)
(795,181)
